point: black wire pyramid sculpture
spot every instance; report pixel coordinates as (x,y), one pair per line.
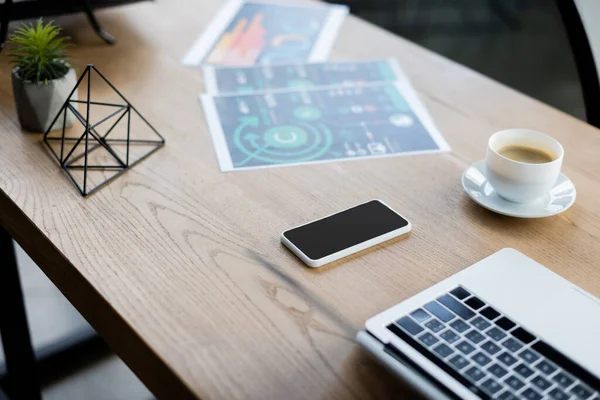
(108,146)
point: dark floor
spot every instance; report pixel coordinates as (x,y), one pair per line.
(100,375)
(520,43)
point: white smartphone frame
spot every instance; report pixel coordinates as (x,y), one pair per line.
(350,250)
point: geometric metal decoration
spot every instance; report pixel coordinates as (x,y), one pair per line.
(79,165)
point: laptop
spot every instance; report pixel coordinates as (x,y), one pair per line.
(503,328)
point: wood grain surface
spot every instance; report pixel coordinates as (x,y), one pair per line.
(157,261)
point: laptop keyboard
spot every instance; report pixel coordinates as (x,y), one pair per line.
(490,354)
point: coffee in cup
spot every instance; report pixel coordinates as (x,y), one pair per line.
(526,154)
(523,165)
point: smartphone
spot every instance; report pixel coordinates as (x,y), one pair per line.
(344,233)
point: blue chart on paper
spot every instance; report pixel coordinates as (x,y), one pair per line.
(318,125)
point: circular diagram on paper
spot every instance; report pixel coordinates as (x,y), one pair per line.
(287,143)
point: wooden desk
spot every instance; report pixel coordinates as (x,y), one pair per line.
(157,260)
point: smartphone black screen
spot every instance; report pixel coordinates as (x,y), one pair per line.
(345,229)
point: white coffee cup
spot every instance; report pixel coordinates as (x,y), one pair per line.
(517,181)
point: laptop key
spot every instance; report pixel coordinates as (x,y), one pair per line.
(507,396)
(480,323)
(541,383)
(443,351)
(449,336)
(474,374)
(531,394)
(489,313)
(474,336)
(563,380)
(505,323)
(409,325)
(514,382)
(491,386)
(481,359)
(460,325)
(465,347)
(420,315)
(558,394)
(512,344)
(490,347)
(523,370)
(528,356)
(523,335)
(474,303)
(441,312)
(458,362)
(497,370)
(506,359)
(460,293)
(496,334)
(456,306)
(581,392)
(434,325)
(545,367)
(428,339)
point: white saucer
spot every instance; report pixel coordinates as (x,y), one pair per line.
(558,199)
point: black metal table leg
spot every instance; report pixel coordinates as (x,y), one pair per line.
(108,38)
(18,351)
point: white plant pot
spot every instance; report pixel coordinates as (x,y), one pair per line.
(38,104)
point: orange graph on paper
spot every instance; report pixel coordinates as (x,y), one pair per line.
(243,45)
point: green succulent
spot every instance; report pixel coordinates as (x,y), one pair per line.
(38,52)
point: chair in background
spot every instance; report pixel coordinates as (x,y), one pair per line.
(25,9)
(582,23)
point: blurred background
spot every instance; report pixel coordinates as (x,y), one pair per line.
(521,43)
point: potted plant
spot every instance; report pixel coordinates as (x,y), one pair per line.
(41,78)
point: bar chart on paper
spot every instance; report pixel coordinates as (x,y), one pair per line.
(248,33)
